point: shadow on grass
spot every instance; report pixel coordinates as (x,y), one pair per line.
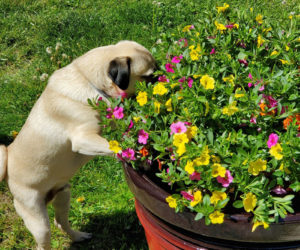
(119,231)
(5,139)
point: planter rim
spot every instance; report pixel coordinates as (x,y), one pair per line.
(147,192)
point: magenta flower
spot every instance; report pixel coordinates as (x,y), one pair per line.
(190,82)
(176,59)
(187,196)
(128,154)
(195,176)
(229,26)
(163,78)
(273,139)
(273,103)
(178,128)
(225,181)
(169,68)
(130,124)
(143,136)
(182,79)
(250,76)
(124,95)
(118,112)
(213,51)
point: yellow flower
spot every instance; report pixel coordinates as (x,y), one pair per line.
(215,159)
(260,41)
(228,56)
(136,119)
(207,82)
(171,201)
(217,196)
(180,139)
(229,79)
(231,109)
(267,30)
(194,55)
(220,26)
(249,202)
(259,18)
(181,149)
(114,146)
(218,170)
(197,198)
(173,85)
(80,199)
(159,89)
(14,134)
(186,28)
(224,8)
(238,93)
(236,25)
(276,151)
(274,53)
(290,17)
(285,169)
(287,48)
(216,217)
(169,105)
(189,167)
(245,162)
(157,107)
(191,132)
(284,61)
(202,160)
(142,98)
(196,76)
(257,166)
(259,223)
(251,9)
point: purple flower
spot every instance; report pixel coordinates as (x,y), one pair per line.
(279,190)
(143,136)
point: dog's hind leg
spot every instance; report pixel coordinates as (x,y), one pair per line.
(35,216)
(61,204)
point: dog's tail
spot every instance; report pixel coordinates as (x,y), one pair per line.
(3,162)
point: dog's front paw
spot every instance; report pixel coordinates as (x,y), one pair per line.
(78,236)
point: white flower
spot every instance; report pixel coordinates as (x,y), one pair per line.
(158,41)
(64,56)
(43,77)
(49,50)
(58,45)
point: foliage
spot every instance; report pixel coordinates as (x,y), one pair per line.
(223,119)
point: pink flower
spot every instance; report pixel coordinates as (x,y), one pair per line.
(163,78)
(243,61)
(190,82)
(273,103)
(182,79)
(118,112)
(253,119)
(250,84)
(169,68)
(130,124)
(225,181)
(195,176)
(187,196)
(229,26)
(250,76)
(273,139)
(124,95)
(178,128)
(213,51)
(143,136)
(176,59)
(128,154)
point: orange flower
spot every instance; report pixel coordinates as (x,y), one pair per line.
(263,107)
(144,152)
(287,121)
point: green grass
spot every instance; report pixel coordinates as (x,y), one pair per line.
(27,28)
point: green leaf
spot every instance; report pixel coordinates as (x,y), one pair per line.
(238,204)
(199,216)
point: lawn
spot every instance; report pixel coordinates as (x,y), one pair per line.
(38,37)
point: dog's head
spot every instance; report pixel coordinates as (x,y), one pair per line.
(130,62)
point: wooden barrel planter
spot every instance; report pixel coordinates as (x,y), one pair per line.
(166,229)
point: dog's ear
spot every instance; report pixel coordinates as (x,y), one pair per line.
(119,71)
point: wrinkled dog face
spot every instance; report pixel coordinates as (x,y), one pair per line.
(133,63)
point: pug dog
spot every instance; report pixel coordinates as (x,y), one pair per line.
(62,133)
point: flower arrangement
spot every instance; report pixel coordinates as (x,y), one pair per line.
(221,125)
